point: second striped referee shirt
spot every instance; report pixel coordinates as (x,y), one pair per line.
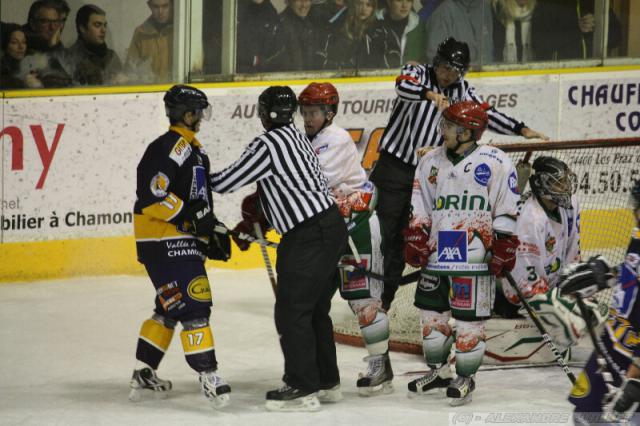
(291,185)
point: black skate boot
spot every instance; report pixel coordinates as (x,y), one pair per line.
(215,388)
(288,398)
(460,390)
(378,378)
(436,378)
(144,381)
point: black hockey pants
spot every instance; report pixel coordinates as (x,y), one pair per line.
(306,266)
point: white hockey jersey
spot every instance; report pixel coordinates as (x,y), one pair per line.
(546,247)
(463,204)
(339,160)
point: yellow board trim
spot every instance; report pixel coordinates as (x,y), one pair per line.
(95,256)
(113,90)
(156,334)
(197,340)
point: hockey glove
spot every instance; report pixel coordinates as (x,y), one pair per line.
(252,211)
(201,217)
(416,245)
(504,254)
(586,278)
(623,400)
(219,246)
(245,227)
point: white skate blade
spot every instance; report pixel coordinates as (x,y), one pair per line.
(456,402)
(306,403)
(138,394)
(220,401)
(382,388)
(330,395)
(441,392)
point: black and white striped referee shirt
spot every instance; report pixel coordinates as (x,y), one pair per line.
(414,120)
(291,185)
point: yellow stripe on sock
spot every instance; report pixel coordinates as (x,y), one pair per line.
(197,340)
(156,334)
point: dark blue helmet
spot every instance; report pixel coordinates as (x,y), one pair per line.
(277,104)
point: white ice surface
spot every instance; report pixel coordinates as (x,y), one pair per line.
(67,349)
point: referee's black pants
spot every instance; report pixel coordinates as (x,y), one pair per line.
(394,180)
(306,266)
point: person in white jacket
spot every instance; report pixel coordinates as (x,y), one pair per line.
(355,197)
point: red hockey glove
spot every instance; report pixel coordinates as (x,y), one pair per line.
(252,210)
(504,254)
(416,245)
(246,228)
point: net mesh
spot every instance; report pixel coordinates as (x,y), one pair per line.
(605,169)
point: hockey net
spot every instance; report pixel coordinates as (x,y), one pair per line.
(605,170)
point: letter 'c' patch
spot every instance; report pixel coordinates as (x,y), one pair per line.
(198,289)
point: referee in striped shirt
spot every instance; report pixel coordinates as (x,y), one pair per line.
(295,199)
(424,91)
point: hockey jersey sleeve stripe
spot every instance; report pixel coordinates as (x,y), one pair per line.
(165,210)
(254,164)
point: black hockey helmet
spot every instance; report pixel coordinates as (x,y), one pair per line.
(277,104)
(553,180)
(453,53)
(182,98)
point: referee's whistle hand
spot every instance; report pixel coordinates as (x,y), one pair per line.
(532,134)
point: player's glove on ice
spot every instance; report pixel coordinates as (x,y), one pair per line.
(504,254)
(586,278)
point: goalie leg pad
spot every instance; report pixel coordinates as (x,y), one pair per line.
(374,324)
(437,336)
(154,339)
(470,346)
(198,345)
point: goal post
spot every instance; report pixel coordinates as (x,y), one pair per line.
(605,170)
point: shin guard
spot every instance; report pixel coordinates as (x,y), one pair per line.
(470,346)
(153,342)
(374,325)
(198,345)
(437,337)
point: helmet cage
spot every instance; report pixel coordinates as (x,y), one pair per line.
(557,187)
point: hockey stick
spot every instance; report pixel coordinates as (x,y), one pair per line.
(219,229)
(265,256)
(545,336)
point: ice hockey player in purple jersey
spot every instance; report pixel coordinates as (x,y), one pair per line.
(462,234)
(608,390)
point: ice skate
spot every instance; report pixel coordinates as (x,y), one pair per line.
(215,388)
(378,378)
(145,381)
(288,398)
(330,394)
(460,390)
(436,378)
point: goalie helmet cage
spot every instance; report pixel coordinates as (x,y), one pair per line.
(606,170)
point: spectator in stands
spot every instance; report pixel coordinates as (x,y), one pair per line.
(151,47)
(348,47)
(45,24)
(329,14)
(470,21)
(297,41)
(428,7)
(256,21)
(563,29)
(13,42)
(93,62)
(397,37)
(512,30)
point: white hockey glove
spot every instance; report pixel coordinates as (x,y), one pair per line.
(587,278)
(624,399)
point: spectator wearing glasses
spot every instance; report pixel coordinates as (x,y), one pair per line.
(93,62)
(45,24)
(151,47)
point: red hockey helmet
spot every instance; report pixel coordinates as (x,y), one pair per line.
(320,94)
(470,115)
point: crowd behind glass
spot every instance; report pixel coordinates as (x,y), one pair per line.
(305,35)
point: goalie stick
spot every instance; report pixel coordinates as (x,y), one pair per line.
(545,336)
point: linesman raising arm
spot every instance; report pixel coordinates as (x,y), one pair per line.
(295,199)
(424,91)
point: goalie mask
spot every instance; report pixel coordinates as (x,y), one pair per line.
(553,181)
